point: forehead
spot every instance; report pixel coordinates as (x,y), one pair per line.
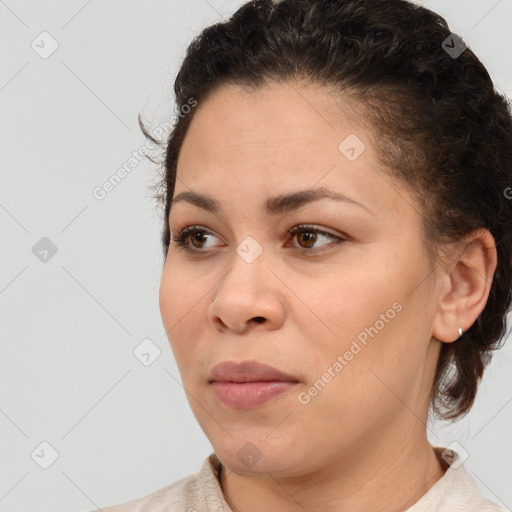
(278,126)
(280,138)
(278,113)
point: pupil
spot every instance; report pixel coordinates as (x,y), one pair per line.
(197,237)
(310,238)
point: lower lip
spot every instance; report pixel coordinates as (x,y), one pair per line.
(246,395)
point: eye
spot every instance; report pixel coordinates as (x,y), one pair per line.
(197,235)
(195,238)
(308,235)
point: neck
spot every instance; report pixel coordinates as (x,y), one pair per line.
(377,478)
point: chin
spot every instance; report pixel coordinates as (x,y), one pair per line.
(247,456)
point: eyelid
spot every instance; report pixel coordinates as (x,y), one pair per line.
(336,239)
(182,233)
(316,228)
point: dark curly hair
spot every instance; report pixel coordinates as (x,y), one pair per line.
(441,129)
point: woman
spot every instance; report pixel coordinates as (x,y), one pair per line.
(337,256)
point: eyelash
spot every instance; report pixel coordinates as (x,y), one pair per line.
(190,230)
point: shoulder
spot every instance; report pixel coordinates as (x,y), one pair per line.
(195,493)
(456,491)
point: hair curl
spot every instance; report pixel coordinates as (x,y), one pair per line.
(441,129)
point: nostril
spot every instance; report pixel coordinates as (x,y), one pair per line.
(222,324)
(259,319)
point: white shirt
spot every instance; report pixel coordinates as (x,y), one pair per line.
(455,491)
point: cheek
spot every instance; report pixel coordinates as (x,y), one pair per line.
(350,302)
(180,289)
(371,321)
(180,307)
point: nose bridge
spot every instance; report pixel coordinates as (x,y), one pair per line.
(246,291)
(247,266)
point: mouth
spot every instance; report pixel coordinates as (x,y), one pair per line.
(248,371)
(249,384)
(248,395)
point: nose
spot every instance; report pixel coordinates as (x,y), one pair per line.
(248,296)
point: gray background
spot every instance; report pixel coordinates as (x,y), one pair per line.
(69,376)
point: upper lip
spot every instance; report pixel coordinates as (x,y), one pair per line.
(247,371)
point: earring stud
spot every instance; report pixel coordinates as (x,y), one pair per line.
(460,332)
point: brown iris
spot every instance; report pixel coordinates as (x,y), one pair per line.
(309,237)
(198,236)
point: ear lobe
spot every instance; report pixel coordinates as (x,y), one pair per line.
(468,278)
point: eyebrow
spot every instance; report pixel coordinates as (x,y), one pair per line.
(277,205)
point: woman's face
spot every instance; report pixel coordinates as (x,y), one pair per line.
(349,318)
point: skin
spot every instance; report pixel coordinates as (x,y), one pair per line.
(360,444)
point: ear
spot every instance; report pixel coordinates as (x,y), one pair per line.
(465,285)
